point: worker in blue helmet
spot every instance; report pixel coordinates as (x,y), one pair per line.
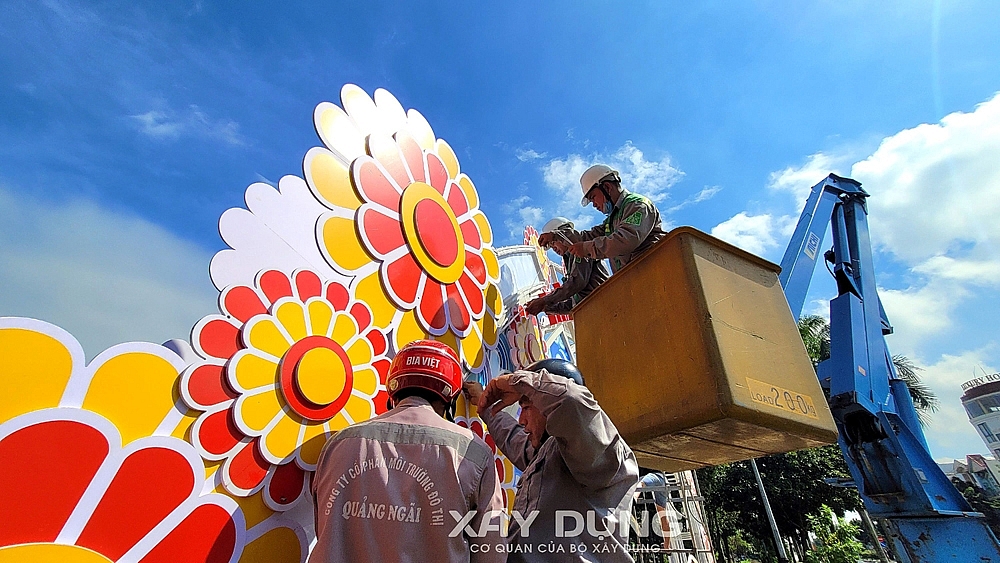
(576,468)
(582,275)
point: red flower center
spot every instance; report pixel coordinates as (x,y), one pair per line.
(316,378)
(434,229)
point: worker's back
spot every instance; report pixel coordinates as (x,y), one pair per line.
(385,488)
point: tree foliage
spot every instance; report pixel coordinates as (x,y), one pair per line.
(795,488)
(836,542)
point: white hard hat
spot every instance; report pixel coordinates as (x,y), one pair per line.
(556,223)
(592,177)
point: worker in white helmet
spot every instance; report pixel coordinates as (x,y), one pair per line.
(631,228)
(582,276)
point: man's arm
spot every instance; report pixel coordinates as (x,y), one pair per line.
(590,444)
(573,235)
(637,220)
(575,280)
(510,438)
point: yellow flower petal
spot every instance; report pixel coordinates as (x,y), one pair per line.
(472,348)
(338,131)
(344,328)
(329,179)
(340,244)
(280,545)
(255,512)
(257,411)
(448,157)
(292,317)
(320,315)
(485,232)
(359,409)
(366,381)
(492,264)
(280,442)
(408,330)
(34,370)
(471,195)
(338,422)
(360,352)
(135,391)
(312,442)
(50,553)
(370,291)
(265,336)
(488,327)
(250,371)
(420,129)
(494,301)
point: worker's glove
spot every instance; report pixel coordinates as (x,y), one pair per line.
(545,239)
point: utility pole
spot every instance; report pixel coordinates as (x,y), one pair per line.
(782,556)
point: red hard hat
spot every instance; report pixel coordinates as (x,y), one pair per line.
(426,364)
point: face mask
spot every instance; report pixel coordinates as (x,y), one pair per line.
(607,207)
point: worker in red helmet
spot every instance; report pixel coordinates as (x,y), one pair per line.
(388,489)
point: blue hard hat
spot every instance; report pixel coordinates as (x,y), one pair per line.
(559,366)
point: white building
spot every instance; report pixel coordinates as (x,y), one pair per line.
(982,403)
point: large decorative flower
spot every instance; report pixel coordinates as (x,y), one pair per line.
(405,221)
(94,469)
(291,361)
(525,338)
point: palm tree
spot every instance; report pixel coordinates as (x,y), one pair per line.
(815,333)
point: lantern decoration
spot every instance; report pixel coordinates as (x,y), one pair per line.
(525,339)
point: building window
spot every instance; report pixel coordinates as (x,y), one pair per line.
(990,403)
(974,410)
(986,432)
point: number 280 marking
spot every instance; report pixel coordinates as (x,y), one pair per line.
(781,398)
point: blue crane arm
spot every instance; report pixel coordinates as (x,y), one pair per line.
(881,439)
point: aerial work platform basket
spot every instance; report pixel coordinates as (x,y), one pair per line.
(693,353)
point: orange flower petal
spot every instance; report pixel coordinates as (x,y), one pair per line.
(473,295)
(431,311)
(456,199)
(412,154)
(458,312)
(448,157)
(437,174)
(402,278)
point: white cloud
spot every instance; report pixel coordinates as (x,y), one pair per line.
(520,214)
(707,193)
(799,180)
(919,312)
(650,178)
(936,187)
(106,277)
(754,233)
(528,155)
(171,125)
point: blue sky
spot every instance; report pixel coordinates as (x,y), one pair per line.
(125,132)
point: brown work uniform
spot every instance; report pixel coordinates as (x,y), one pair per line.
(632,228)
(583,275)
(583,468)
(385,490)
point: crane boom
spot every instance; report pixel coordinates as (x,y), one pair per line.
(880,435)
